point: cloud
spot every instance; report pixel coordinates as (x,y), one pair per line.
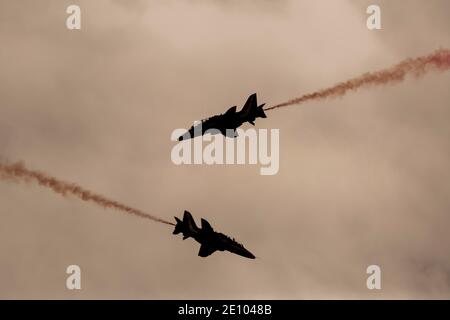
(362,180)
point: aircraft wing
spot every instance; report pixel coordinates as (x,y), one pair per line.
(206,250)
(231,111)
(206,226)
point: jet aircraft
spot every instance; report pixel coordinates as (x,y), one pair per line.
(228,122)
(209,239)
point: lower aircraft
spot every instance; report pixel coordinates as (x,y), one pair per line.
(210,240)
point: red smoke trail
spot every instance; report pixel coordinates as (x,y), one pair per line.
(18,171)
(439,60)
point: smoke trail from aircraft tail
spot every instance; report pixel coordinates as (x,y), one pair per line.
(17,171)
(437,61)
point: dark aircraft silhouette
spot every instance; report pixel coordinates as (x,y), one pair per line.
(230,120)
(209,239)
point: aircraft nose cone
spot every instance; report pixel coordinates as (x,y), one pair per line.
(248,254)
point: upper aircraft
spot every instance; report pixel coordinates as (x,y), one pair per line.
(228,122)
(210,240)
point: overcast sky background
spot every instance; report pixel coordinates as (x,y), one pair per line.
(363,180)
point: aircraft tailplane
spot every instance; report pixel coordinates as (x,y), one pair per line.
(178,226)
(259,112)
(187,226)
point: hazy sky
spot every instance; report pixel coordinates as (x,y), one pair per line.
(363,179)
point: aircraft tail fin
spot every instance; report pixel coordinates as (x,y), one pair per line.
(249,104)
(251,110)
(189,222)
